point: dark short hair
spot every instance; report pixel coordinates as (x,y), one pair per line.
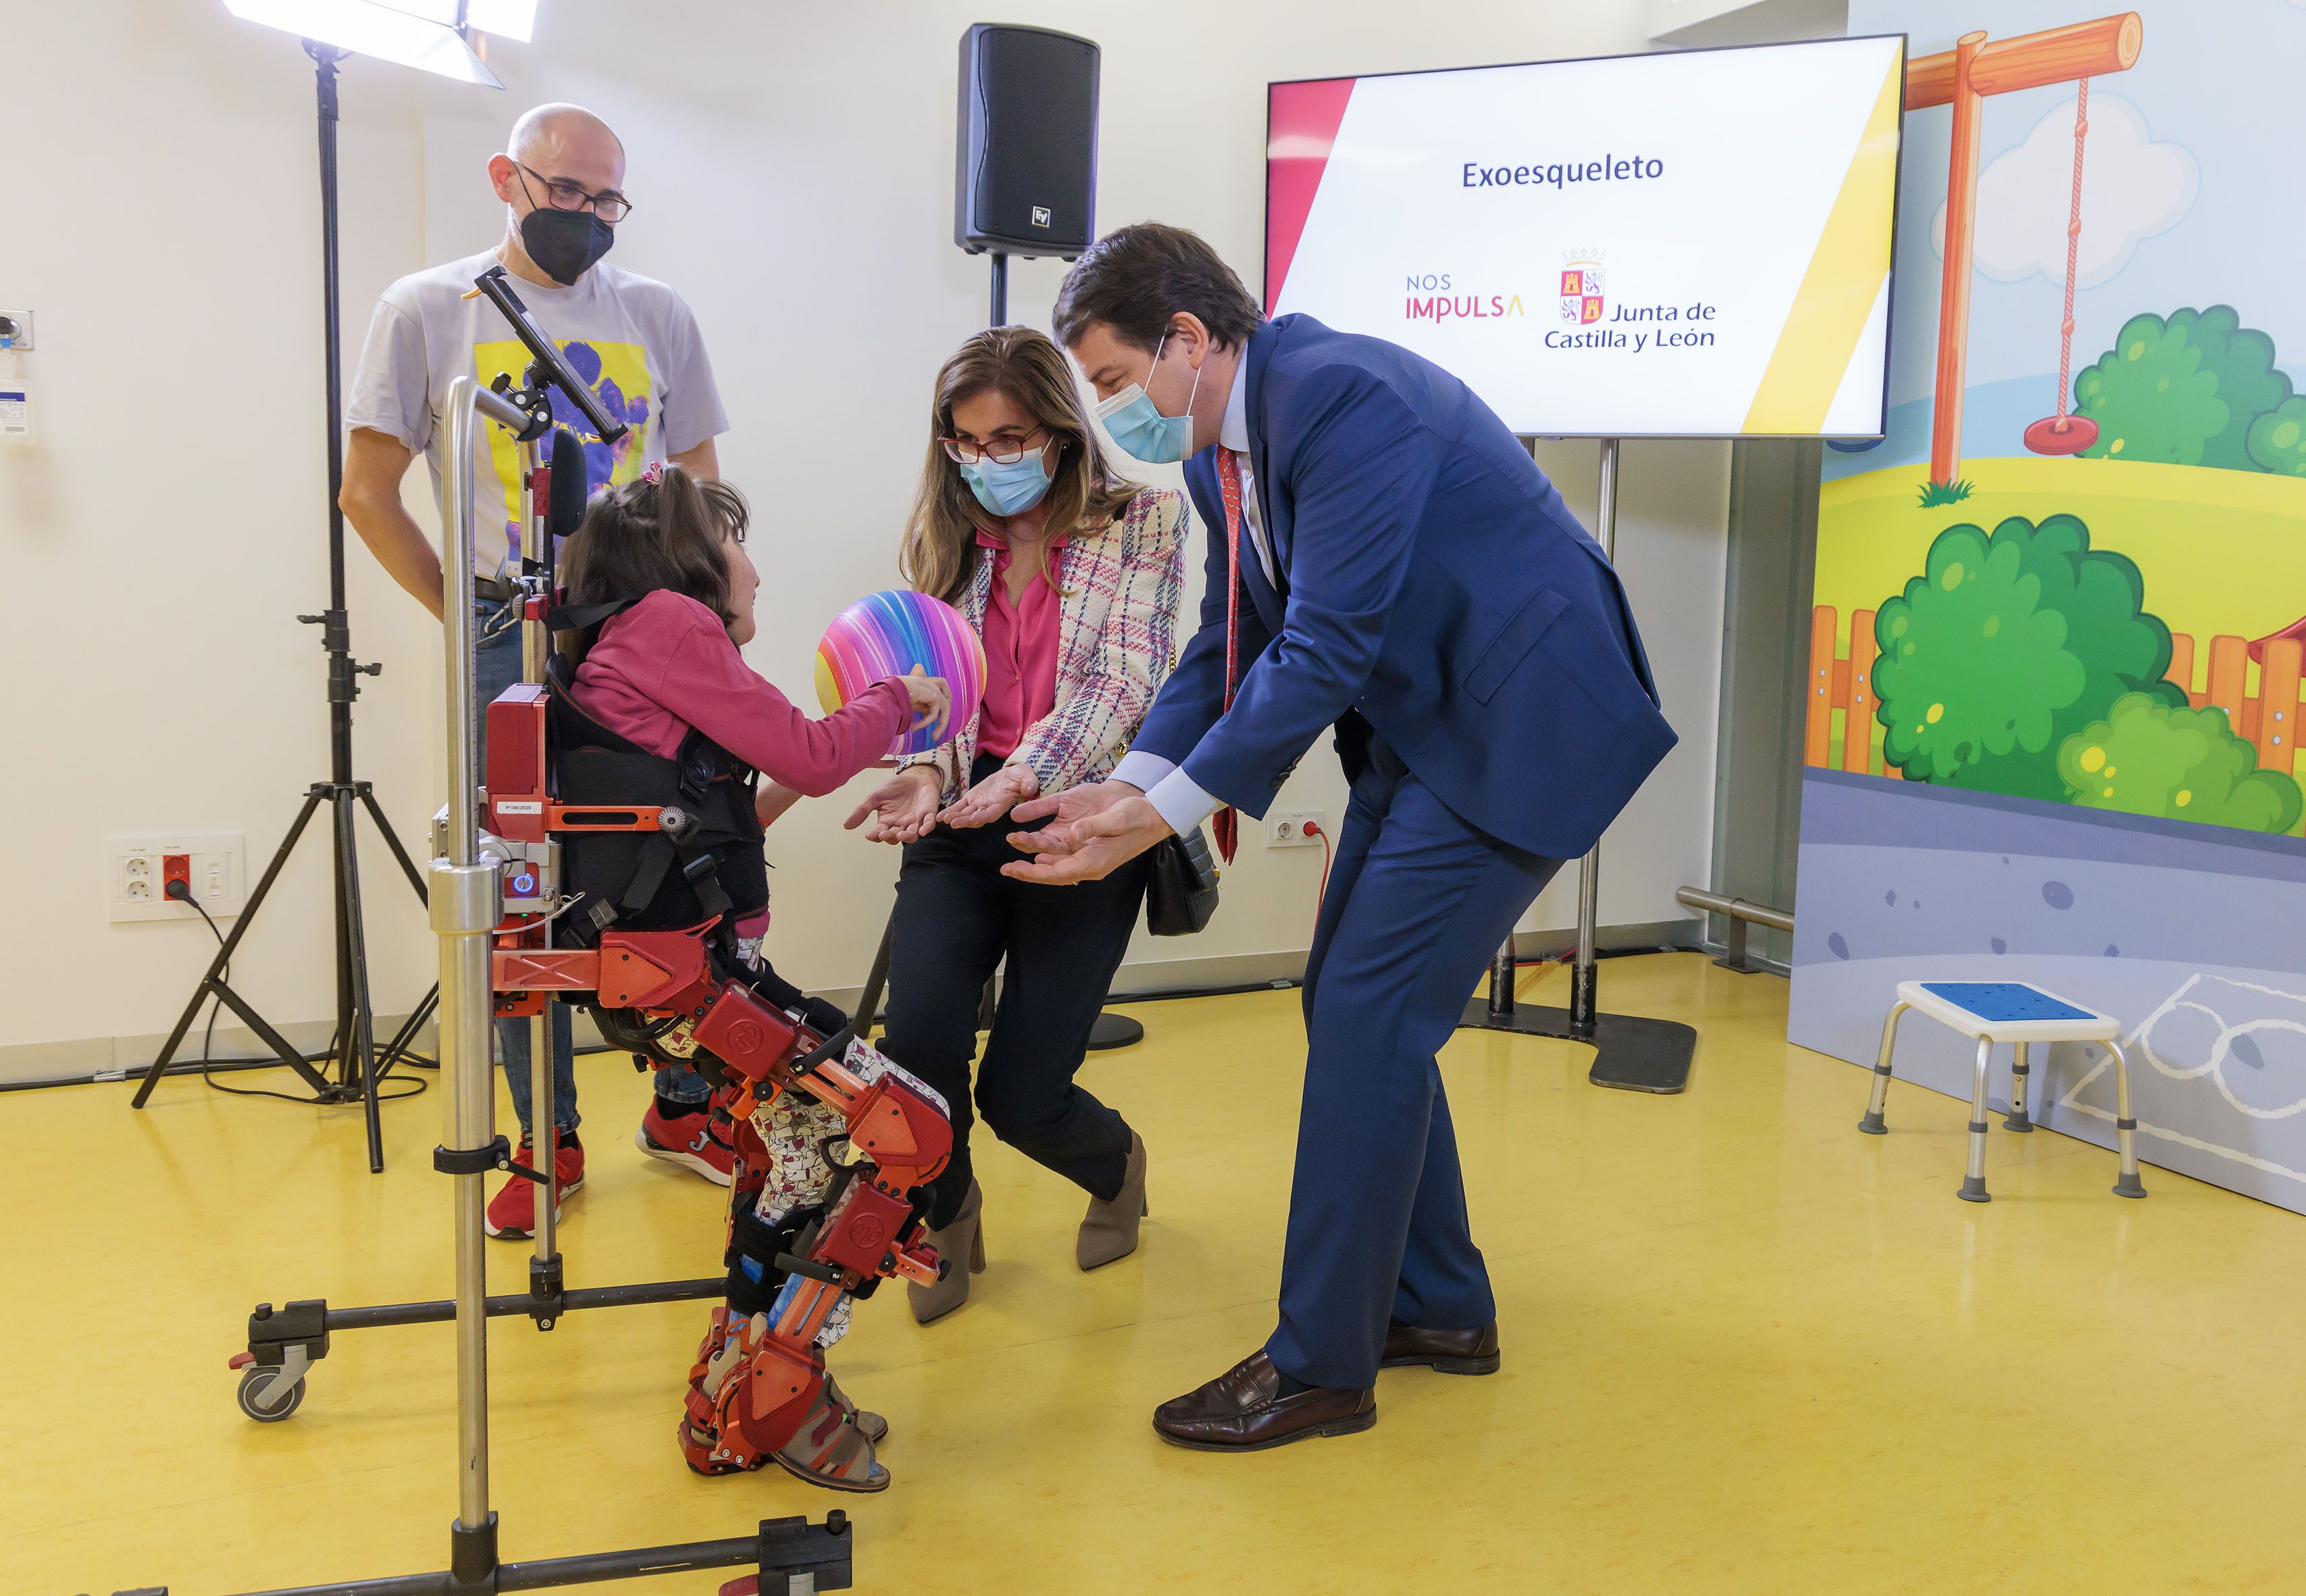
(1136,277)
(639,536)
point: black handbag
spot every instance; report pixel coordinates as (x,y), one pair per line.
(1182,893)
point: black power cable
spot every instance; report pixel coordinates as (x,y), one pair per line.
(183,894)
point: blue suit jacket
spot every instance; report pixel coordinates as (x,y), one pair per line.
(1435,589)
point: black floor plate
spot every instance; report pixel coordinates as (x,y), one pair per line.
(1632,1053)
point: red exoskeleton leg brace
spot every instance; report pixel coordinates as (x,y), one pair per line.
(758,1380)
(811,1232)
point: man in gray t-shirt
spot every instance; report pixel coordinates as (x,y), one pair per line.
(635,342)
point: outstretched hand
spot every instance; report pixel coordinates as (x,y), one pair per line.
(992,798)
(901,809)
(1093,831)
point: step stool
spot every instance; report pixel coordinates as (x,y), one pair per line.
(2015,1012)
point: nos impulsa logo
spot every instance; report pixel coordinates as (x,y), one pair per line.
(1435,297)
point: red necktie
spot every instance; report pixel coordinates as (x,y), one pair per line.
(1227,824)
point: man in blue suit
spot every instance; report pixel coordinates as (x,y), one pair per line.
(1385,558)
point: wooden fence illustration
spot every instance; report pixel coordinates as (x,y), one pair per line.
(1844,684)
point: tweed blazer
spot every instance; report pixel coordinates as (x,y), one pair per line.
(1116,644)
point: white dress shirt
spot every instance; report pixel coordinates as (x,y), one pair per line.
(1178,797)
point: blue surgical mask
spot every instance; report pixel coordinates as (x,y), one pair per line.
(1140,430)
(1007,487)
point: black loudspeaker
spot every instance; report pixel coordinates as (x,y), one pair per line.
(1025,147)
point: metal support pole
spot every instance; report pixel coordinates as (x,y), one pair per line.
(2125,1125)
(1000,290)
(2021,1067)
(544,1125)
(463,906)
(1631,1051)
(1973,1180)
(1585,976)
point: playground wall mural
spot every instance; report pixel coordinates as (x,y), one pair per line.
(2060,609)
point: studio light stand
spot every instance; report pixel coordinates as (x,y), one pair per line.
(352,1068)
(1631,1051)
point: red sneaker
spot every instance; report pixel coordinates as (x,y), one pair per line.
(512,1212)
(703,1140)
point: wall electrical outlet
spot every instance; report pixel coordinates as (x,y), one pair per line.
(1286,828)
(138,867)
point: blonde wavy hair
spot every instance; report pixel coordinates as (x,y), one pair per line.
(939,553)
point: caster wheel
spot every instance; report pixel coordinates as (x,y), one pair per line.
(266,1397)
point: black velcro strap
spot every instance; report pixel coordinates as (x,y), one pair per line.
(578,618)
(702,873)
(833,1047)
(1978,1127)
(656,858)
(2021,1069)
(755,1274)
(2125,1124)
(801,1266)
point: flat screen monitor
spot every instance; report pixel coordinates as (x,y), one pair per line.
(1684,244)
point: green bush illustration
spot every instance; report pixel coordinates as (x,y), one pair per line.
(2004,647)
(2148,757)
(2184,389)
(2277,439)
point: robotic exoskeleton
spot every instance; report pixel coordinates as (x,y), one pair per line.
(624,875)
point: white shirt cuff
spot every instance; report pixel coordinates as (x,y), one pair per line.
(1180,801)
(1141,770)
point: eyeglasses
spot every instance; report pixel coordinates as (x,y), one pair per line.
(1002,451)
(562,194)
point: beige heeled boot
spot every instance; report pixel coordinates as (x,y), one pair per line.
(1109,1231)
(963,1244)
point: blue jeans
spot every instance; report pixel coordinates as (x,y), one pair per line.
(496,666)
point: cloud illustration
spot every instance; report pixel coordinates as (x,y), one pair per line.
(2133,188)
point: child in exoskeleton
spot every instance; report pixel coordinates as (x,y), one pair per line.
(659,675)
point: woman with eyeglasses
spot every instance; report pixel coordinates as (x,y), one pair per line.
(1071,576)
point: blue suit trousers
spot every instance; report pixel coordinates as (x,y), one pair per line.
(1418,902)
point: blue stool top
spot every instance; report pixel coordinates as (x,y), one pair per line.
(2004,1002)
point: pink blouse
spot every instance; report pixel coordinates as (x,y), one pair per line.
(1020,650)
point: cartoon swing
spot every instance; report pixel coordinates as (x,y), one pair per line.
(2065,434)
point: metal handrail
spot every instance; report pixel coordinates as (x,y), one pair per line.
(1740,912)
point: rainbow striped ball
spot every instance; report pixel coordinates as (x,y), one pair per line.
(888,635)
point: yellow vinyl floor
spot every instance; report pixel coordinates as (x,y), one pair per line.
(1746,1349)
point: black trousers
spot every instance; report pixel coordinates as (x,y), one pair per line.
(957,917)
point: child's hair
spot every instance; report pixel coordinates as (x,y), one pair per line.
(663,529)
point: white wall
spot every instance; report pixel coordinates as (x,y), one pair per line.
(792,165)
(158,541)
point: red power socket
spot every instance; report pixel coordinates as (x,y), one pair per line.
(174,867)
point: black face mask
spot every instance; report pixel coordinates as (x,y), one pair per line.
(565,242)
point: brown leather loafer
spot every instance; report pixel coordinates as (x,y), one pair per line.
(1244,1410)
(1446,1352)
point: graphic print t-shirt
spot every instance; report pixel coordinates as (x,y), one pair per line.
(631,338)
